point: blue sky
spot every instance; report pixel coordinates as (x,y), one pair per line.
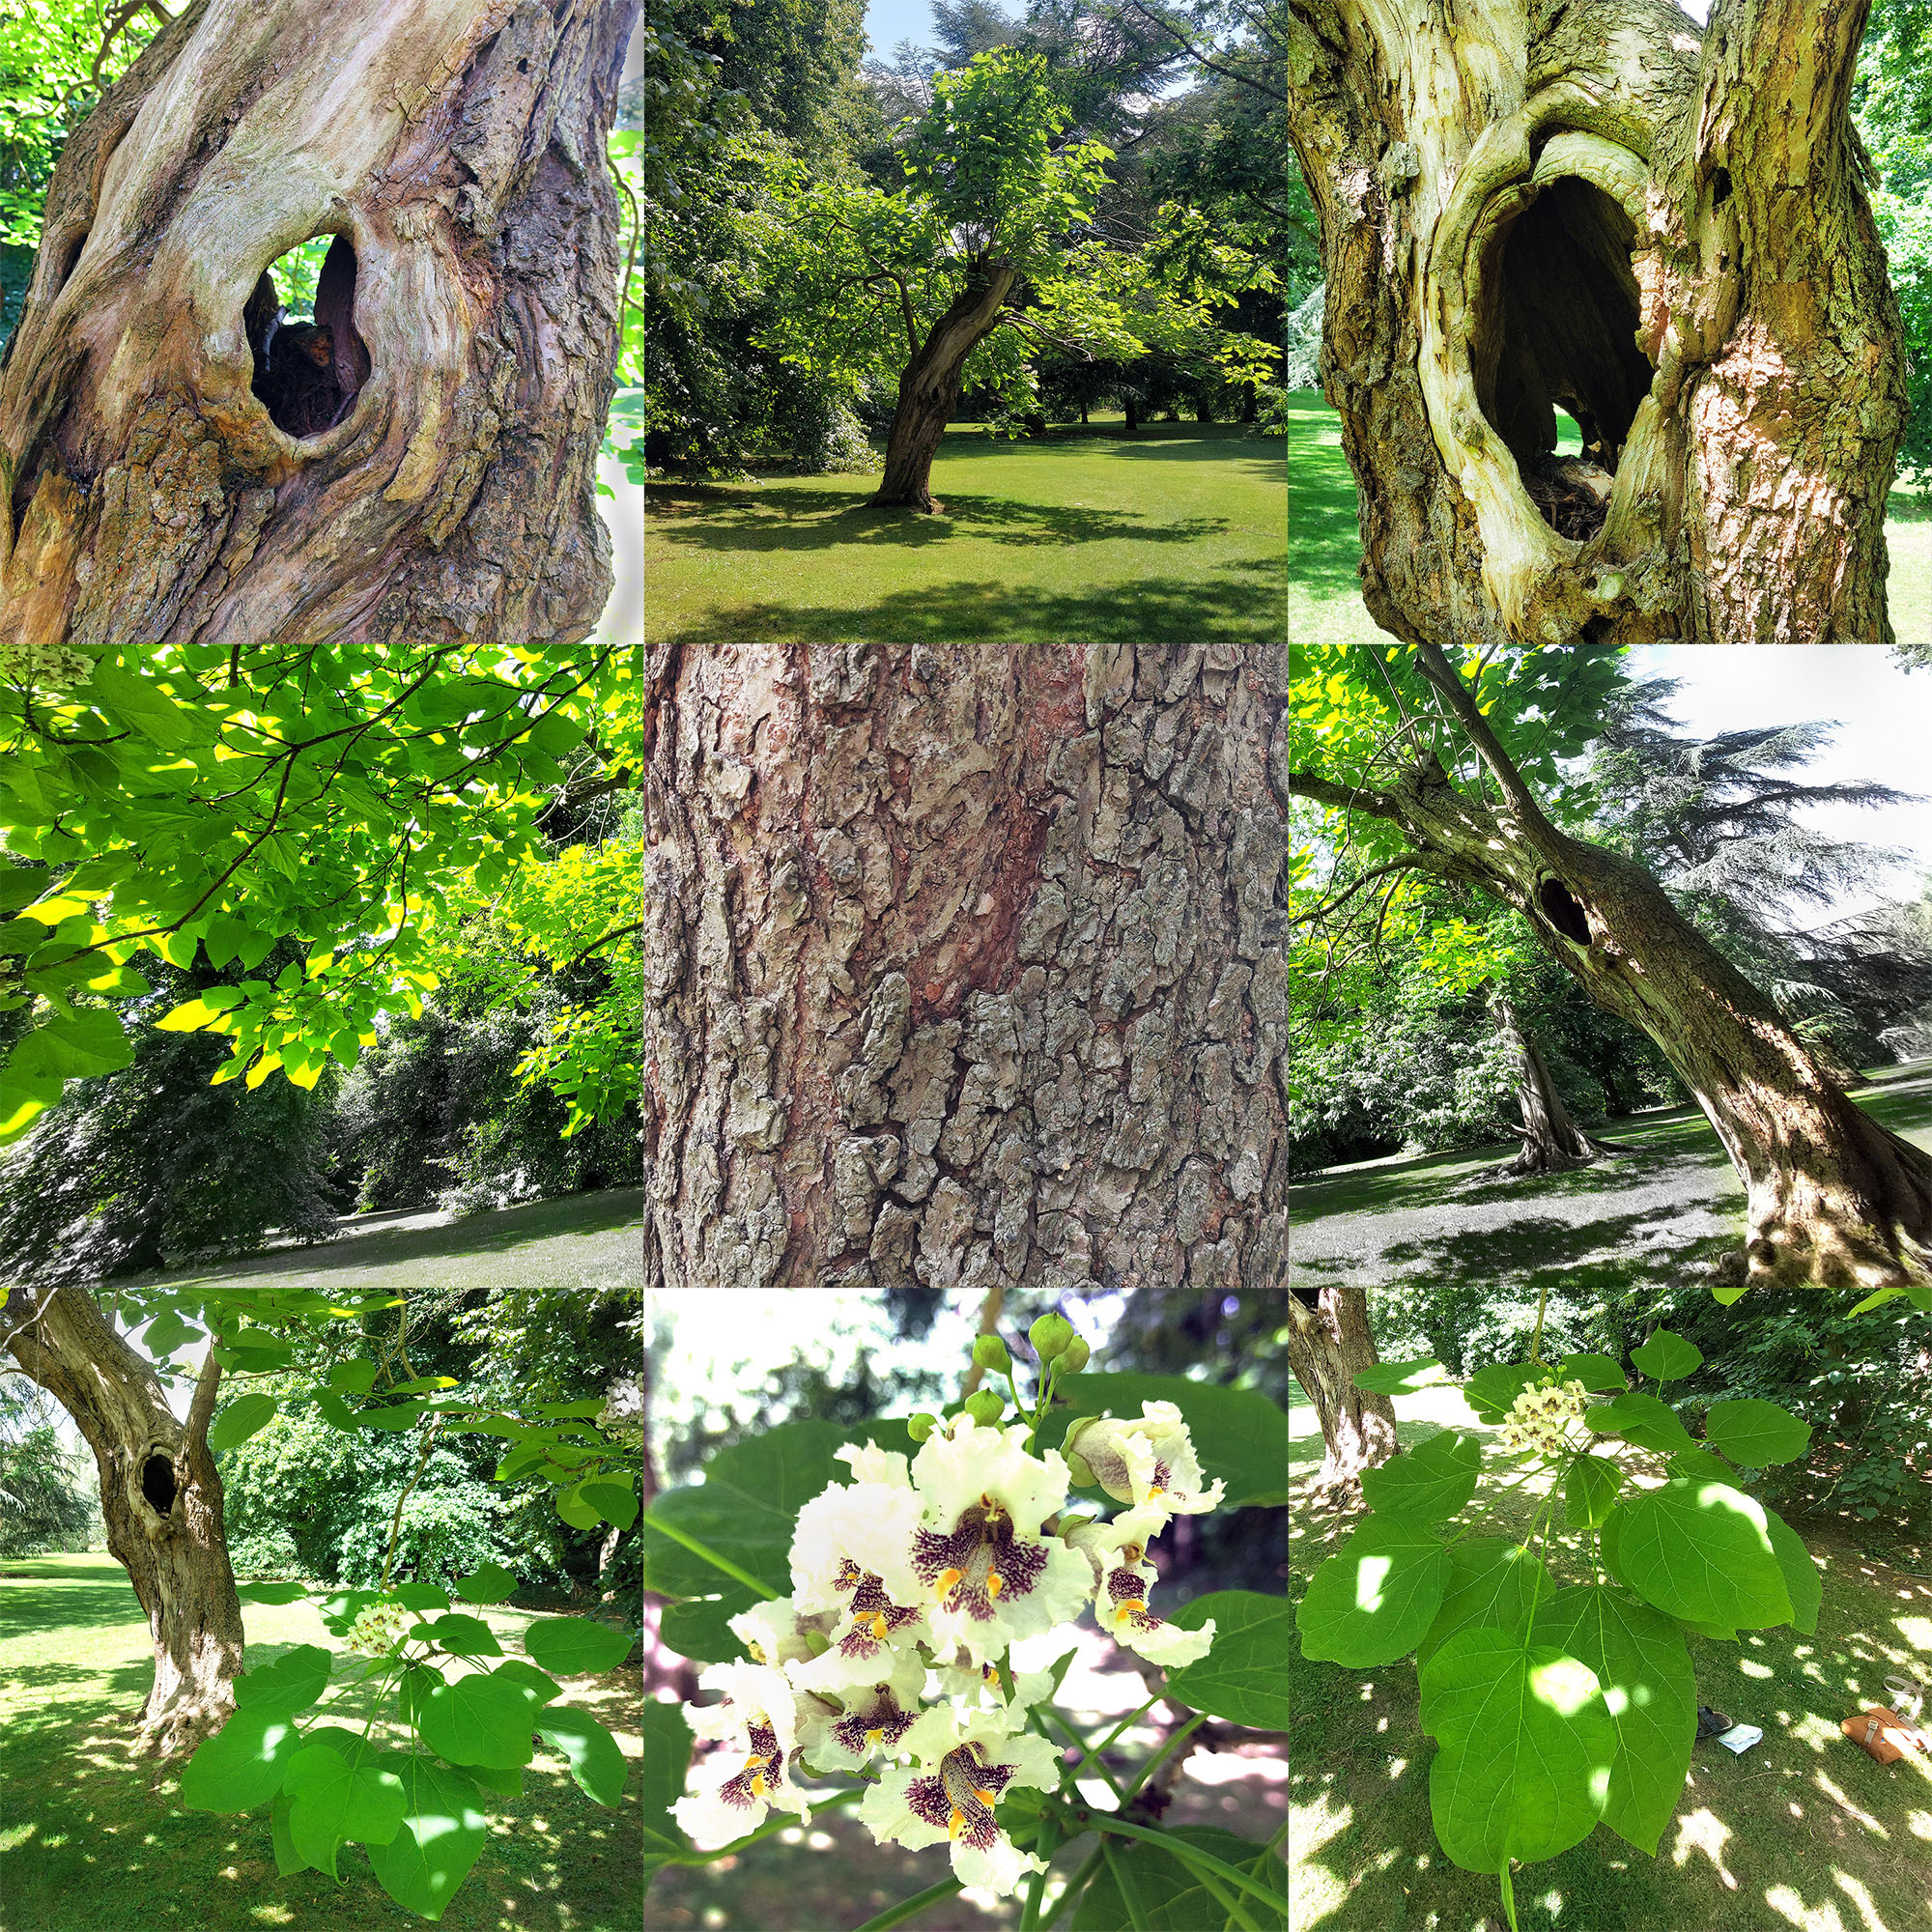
(888,23)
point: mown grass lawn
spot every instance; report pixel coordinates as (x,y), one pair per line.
(1325,546)
(1175,534)
(92,1841)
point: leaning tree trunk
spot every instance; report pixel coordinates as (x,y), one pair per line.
(1602,208)
(1831,1197)
(1551,1140)
(965,966)
(455,150)
(161,1499)
(1328,1341)
(929,388)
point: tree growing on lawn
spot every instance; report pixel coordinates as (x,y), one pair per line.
(984,255)
(1660,228)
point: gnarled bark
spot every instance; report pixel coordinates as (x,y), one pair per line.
(1328,1341)
(966,966)
(1551,1140)
(455,149)
(161,1499)
(1599,207)
(929,388)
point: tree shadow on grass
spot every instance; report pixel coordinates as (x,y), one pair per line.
(1246,601)
(790,517)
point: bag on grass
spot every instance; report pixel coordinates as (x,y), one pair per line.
(1884,1734)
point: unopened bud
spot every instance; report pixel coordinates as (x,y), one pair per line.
(1051,1336)
(984,1407)
(1082,1476)
(920,1425)
(990,1352)
(1076,1357)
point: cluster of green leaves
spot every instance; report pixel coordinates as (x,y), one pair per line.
(421,1813)
(203,803)
(1555,1708)
(56,60)
(721,1545)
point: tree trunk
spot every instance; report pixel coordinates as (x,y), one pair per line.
(1602,208)
(1328,1341)
(1131,408)
(161,1499)
(455,150)
(1551,1140)
(929,389)
(1832,1197)
(967,966)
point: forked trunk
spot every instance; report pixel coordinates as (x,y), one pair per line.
(1659,230)
(1328,1341)
(1832,1197)
(967,967)
(161,1499)
(929,389)
(439,487)
(1551,1139)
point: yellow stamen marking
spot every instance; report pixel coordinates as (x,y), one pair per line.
(953,1829)
(984,1797)
(995,1582)
(872,1736)
(1156,1491)
(1128,1610)
(757,1784)
(949,1581)
(879,1624)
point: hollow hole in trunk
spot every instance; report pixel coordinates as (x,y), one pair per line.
(310,362)
(1561,908)
(158,1483)
(1556,332)
(69,259)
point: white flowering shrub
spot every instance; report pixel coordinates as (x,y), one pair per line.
(865,1628)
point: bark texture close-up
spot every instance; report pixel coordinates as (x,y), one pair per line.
(1661,229)
(965,966)
(449,399)
(160,1500)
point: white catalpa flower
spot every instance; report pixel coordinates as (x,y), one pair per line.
(774,1632)
(965,1761)
(378,1626)
(991,1575)
(1147,1461)
(1122,1581)
(874,1717)
(1540,1417)
(757,1721)
(855,1530)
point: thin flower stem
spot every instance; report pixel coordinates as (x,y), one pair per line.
(1048,1715)
(1230,1906)
(1180,1848)
(1075,1886)
(1146,1770)
(1124,1885)
(910,1908)
(1106,1743)
(1042,1850)
(710,1555)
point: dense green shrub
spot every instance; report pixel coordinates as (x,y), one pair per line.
(44,1504)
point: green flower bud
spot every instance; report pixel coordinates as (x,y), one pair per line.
(920,1425)
(818,1643)
(1076,1467)
(984,1406)
(990,1352)
(1051,1336)
(1075,1358)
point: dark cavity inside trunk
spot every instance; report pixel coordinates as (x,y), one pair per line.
(310,372)
(1558,332)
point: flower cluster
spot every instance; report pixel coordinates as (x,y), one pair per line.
(910,1584)
(1539,1416)
(378,1626)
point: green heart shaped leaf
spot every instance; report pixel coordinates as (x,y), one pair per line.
(336,1798)
(1399,1378)
(477,1719)
(443,1830)
(1590,1487)
(1756,1434)
(245,1416)
(1427,1482)
(1702,1550)
(595,1762)
(242,1764)
(1372,1600)
(1241,1678)
(1666,1357)
(577,1646)
(292,1683)
(1641,1419)
(1596,1373)
(1490,1581)
(490,1583)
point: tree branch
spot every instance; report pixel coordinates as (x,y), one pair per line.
(1214,67)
